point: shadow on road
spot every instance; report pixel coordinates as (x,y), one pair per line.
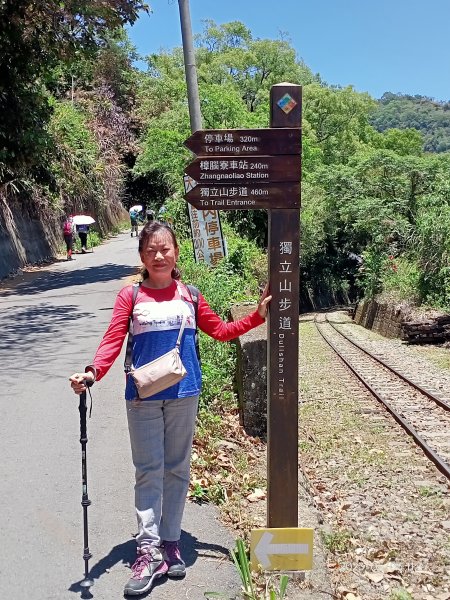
(126,553)
(24,326)
(51,280)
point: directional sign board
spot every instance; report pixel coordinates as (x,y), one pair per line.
(282,549)
(248,197)
(245,170)
(243,142)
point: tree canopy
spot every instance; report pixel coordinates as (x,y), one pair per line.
(84,129)
(430,117)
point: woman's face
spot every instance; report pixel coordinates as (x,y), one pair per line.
(159,257)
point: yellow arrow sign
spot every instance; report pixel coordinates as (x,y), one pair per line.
(282,549)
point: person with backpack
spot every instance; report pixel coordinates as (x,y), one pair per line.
(150,215)
(161,426)
(134,222)
(82,231)
(68,228)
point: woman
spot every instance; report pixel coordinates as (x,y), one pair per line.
(161,426)
(82,231)
(68,228)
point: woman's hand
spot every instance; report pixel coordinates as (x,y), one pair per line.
(263,304)
(78,381)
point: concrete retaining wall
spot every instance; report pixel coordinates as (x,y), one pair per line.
(386,319)
(251,375)
(26,239)
(398,321)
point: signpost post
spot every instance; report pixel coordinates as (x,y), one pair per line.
(253,169)
(282,351)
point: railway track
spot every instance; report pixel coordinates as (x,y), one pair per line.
(422,412)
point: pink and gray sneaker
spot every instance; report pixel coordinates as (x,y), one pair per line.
(148,566)
(172,557)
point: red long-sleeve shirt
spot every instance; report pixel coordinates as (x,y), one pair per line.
(207,321)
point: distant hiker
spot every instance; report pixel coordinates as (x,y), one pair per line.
(150,215)
(161,426)
(68,228)
(162,218)
(134,222)
(82,231)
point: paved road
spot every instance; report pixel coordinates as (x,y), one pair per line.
(50,328)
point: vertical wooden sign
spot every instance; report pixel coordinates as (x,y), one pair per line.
(261,168)
(282,353)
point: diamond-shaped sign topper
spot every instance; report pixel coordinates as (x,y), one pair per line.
(287,103)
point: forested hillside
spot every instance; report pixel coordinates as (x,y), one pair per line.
(430,117)
(83,130)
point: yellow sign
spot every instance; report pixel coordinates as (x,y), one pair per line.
(282,549)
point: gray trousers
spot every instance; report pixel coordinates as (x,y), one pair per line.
(161,434)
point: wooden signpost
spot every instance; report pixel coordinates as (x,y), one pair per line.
(247,169)
(253,169)
(239,142)
(243,196)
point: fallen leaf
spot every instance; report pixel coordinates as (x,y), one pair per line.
(390,567)
(256,495)
(375,577)
(227,444)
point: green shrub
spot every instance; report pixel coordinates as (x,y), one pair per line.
(401,279)
(230,282)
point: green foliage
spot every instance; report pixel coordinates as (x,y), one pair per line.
(338,119)
(401,279)
(76,164)
(35,37)
(337,542)
(250,588)
(371,272)
(405,142)
(163,153)
(245,259)
(251,224)
(229,54)
(432,248)
(223,108)
(400,594)
(226,284)
(430,117)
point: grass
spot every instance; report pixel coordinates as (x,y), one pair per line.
(400,594)
(337,542)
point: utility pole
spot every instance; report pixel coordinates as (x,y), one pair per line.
(190,66)
(206,231)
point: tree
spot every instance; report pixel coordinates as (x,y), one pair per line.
(228,53)
(339,119)
(34,37)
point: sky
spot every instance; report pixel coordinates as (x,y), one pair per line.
(377,46)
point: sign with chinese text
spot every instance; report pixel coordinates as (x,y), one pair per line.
(234,197)
(254,169)
(246,170)
(238,142)
(207,239)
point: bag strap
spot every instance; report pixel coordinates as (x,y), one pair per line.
(127,361)
(180,334)
(194,297)
(129,350)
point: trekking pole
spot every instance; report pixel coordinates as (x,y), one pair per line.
(85,502)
